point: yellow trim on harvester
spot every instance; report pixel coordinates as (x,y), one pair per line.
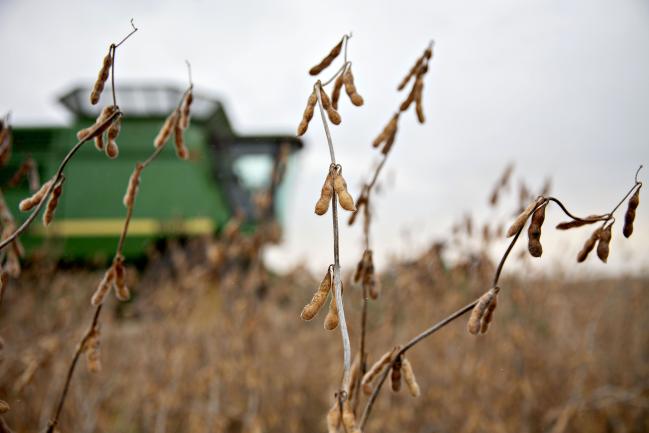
(113,227)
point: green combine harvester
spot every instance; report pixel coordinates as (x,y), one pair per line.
(177,198)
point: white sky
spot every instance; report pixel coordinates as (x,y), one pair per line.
(559,88)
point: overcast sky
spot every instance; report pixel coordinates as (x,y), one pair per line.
(560,88)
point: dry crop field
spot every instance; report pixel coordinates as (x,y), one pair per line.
(205,338)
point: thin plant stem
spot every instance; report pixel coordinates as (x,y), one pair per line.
(80,348)
(337,280)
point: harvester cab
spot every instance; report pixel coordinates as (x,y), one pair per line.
(224,175)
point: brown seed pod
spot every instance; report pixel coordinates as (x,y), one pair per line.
(179,141)
(92,349)
(112,151)
(388,130)
(344,198)
(335,93)
(326,193)
(488,316)
(375,369)
(416,88)
(308,114)
(579,223)
(521,219)
(333,115)
(369,278)
(331,319)
(409,378)
(534,232)
(121,290)
(185,109)
(410,74)
(99,142)
(390,140)
(349,419)
(335,51)
(33,201)
(133,186)
(360,269)
(166,130)
(319,297)
(53,202)
(102,77)
(478,312)
(604,242)
(350,88)
(333,418)
(589,245)
(395,375)
(103,287)
(629,216)
(419,110)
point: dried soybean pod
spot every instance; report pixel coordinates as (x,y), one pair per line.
(112,151)
(589,245)
(374,370)
(335,51)
(121,290)
(179,141)
(53,202)
(360,269)
(349,419)
(534,232)
(92,348)
(333,418)
(419,110)
(395,375)
(629,216)
(102,77)
(412,95)
(409,378)
(578,223)
(185,109)
(411,73)
(473,326)
(335,93)
(604,242)
(319,297)
(333,115)
(166,130)
(350,88)
(133,185)
(99,142)
(102,288)
(331,320)
(520,220)
(326,193)
(344,198)
(392,134)
(308,114)
(32,201)
(488,315)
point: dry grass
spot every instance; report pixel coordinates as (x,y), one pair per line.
(224,350)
